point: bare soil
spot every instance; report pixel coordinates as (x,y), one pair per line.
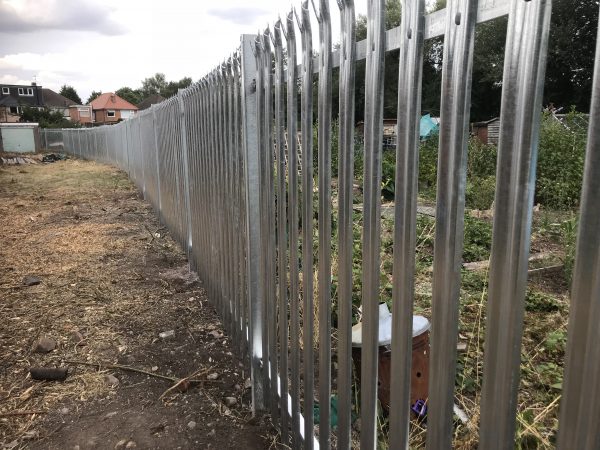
(112,276)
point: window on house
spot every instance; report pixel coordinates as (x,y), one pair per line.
(16,110)
(21,91)
(30,92)
(110,113)
(5,90)
(83,112)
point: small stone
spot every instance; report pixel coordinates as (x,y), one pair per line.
(110,414)
(212,433)
(158,428)
(230,401)
(44,345)
(32,434)
(111,380)
(166,334)
(64,411)
(131,444)
(216,334)
(191,425)
(121,444)
(237,387)
(461,347)
(76,447)
(31,280)
(247,383)
(154,368)
(77,338)
(212,376)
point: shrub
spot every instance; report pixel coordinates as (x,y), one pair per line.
(568,237)
(478,240)
(480,192)
(428,155)
(481,159)
(560,160)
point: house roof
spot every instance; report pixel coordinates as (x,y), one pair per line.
(53,99)
(110,100)
(14,99)
(8,100)
(150,100)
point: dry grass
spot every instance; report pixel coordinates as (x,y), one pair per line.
(52,217)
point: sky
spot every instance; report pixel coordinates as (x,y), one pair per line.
(105,45)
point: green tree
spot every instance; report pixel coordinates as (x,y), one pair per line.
(93,96)
(174,86)
(133,96)
(70,93)
(156,84)
(46,118)
(393,15)
(571,48)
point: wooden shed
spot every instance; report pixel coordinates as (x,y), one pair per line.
(488,132)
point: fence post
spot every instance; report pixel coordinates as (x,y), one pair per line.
(186,179)
(160,217)
(251,165)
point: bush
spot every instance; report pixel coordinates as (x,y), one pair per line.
(480,192)
(428,155)
(560,161)
(481,159)
(46,118)
(568,237)
(478,240)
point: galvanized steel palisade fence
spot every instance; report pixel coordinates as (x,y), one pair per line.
(215,163)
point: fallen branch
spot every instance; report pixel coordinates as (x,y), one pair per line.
(133,369)
(184,382)
(21,413)
(121,367)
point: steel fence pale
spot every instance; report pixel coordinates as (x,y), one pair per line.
(228,164)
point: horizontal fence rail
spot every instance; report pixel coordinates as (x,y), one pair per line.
(229,165)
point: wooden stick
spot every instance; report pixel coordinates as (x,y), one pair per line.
(185,380)
(145,372)
(21,413)
(121,367)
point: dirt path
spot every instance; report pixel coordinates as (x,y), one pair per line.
(114,279)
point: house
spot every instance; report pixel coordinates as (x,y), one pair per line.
(81,114)
(13,98)
(149,101)
(110,108)
(56,102)
(68,108)
(488,131)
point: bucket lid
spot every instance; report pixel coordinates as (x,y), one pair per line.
(419,326)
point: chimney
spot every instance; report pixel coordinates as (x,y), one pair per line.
(112,98)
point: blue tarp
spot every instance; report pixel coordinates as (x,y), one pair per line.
(428,126)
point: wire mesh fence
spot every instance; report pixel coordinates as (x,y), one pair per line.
(274,245)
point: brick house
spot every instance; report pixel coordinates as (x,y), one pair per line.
(110,108)
(68,108)
(13,98)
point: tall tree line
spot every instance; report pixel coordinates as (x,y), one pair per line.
(569,70)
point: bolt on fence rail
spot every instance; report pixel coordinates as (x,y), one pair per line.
(220,164)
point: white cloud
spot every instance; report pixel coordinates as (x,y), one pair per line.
(23,16)
(178,38)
